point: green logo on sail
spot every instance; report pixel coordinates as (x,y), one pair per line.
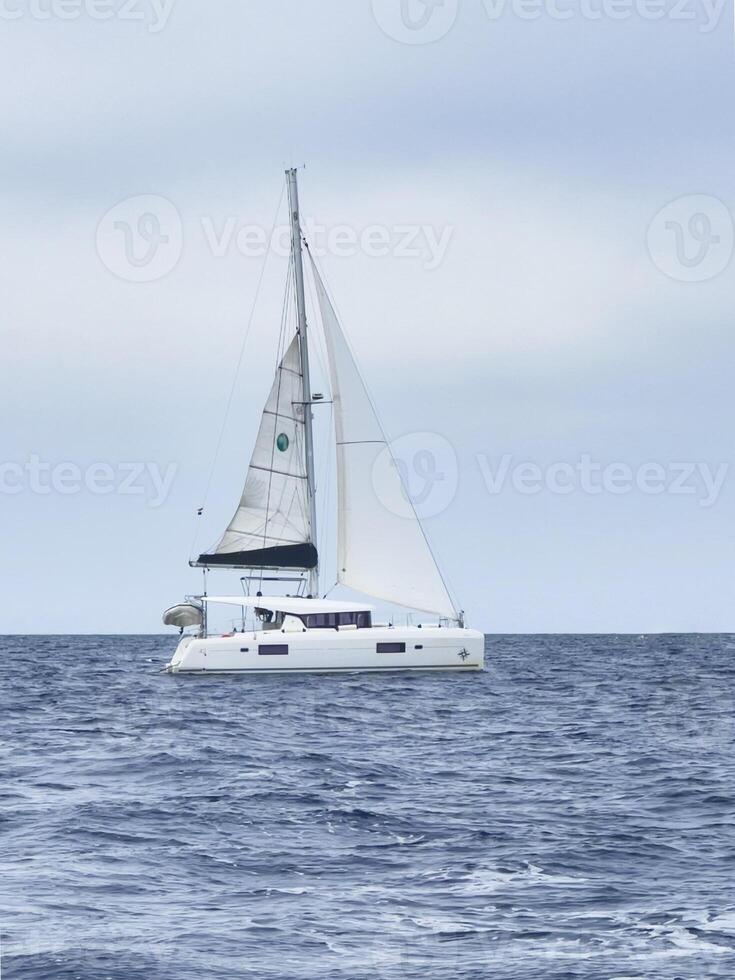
(282,442)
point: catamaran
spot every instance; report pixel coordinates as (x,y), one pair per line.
(382,549)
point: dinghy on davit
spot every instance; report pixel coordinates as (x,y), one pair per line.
(382,550)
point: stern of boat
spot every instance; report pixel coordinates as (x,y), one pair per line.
(176,661)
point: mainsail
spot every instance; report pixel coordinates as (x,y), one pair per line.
(271,526)
(381,552)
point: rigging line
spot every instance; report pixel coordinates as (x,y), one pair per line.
(269,469)
(280,353)
(289,326)
(320,346)
(303,499)
(286,312)
(326,486)
(340,321)
(248,328)
(290,281)
(321,358)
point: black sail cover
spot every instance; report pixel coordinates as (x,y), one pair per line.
(293,556)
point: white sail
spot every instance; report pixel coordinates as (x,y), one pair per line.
(380,551)
(273,512)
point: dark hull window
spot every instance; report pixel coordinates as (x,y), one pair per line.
(391,647)
(273,649)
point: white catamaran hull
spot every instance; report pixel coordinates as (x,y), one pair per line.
(340,650)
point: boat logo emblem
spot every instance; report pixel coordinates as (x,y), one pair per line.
(463,654)
(282,442)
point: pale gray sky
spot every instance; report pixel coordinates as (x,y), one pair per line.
(551,309)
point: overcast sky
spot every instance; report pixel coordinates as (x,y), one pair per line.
(524,211)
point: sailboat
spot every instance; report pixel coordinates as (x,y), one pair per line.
(382,552)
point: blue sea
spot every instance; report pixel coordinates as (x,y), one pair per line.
(570,813)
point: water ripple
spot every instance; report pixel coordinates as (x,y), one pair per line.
(568,815)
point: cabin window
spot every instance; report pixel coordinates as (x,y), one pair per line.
(273,649)
(315,621)
(391,647)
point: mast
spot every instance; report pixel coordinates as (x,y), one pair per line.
(293,199)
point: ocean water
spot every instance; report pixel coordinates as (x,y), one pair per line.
(570,813)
